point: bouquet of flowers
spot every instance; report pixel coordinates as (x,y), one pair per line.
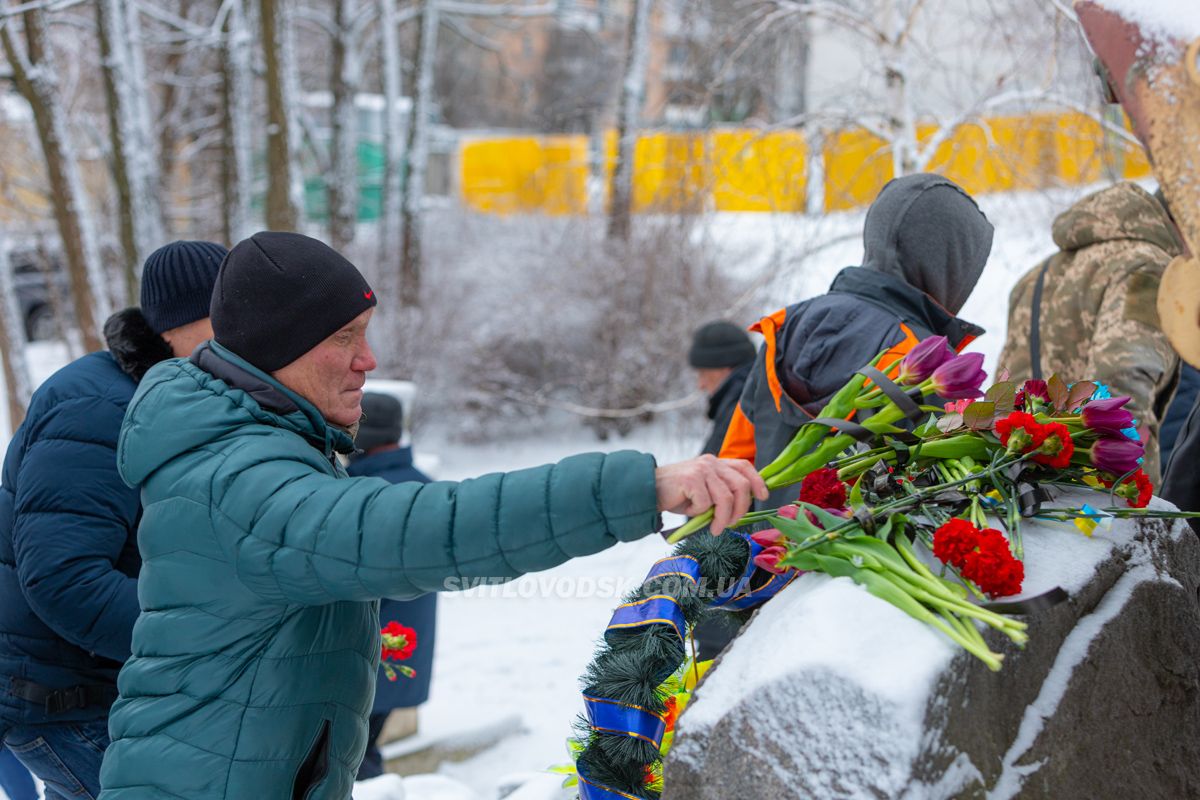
(930,519)
(398,644)
(921,504)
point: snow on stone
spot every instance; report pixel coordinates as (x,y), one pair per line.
(1073,651)
(845,631)
(1162,19)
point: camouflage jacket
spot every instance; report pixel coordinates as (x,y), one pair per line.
(1099,318)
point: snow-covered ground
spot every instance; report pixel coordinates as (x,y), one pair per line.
(511,655)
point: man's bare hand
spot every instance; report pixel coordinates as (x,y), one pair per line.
(726,485)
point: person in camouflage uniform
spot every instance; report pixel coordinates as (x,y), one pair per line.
(1098,318)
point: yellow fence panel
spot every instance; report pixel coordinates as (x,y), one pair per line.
(759,172)
(857,165)
(745,170)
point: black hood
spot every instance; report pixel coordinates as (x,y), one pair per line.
(928,232)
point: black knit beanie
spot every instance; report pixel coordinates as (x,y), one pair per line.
(281,294)
(382,421)
(720,344)
(177,283)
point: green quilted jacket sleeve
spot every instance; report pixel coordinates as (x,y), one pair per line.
(298,534)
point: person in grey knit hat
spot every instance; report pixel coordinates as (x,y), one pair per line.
(721,355)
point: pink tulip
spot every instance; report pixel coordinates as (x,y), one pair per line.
(768,538)
(769,559)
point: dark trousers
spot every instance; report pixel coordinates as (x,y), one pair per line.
(372,763)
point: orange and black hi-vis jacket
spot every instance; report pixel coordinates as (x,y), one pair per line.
(811,349)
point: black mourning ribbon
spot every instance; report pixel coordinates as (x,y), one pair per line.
(903,400)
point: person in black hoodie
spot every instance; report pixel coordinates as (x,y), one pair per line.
(721,355)
(925,245)
(68,530)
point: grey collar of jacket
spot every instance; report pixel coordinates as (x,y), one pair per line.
(272,396)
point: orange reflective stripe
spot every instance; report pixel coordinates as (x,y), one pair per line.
(768,326)
(890,363)
(739,437)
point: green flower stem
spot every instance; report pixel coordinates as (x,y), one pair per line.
(1118,511)
(903,600)
(839,406)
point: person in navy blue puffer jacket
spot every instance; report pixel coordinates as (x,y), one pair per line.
(68,530)
(381,455)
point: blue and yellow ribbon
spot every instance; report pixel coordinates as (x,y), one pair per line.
(609,716)
(590,790)
(657,609)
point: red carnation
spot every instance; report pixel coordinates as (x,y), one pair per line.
(1056,448)
(1020,432)
(992,566)
(954,540)
(404,638)
(824,489)
(1136,489)
(983,556)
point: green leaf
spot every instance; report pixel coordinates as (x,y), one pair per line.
(856,498)
(884,531)
(950,422)
(1079,393)
(979,415)
(797,529)
(1003,395)
(1058,392)
(828,521)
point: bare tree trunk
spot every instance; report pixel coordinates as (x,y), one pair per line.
(236,86)
(139,213)
(389,216)
(148,183)
(34,74)
(629,109)
(342,182)
(901,118)
(17,385)
(282,213)
(417,152)
(168,140)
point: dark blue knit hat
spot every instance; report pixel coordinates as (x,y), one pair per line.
(177,283)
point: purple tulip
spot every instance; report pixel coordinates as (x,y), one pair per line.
(768,538)
(923,359)
(960,377)
(1107,416)
(1116,455)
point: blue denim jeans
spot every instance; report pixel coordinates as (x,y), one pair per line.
(15,780)
(66,756)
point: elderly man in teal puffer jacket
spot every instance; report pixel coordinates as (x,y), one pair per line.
(255,654)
